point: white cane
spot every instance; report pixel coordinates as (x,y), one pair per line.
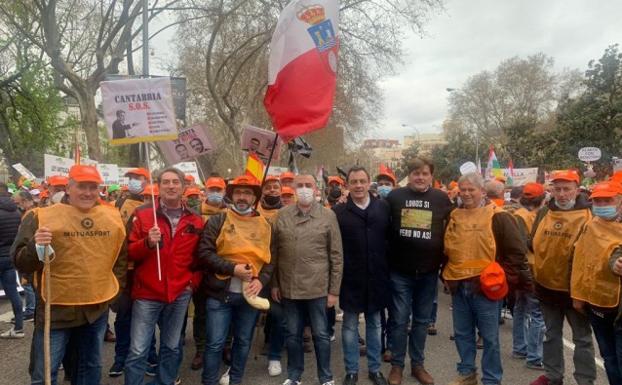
(47,367)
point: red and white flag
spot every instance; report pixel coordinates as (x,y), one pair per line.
(302,71)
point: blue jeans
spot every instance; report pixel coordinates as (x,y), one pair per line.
(122,331)
(170,318)
(8,278)
(609,337)
(411,295)
(295,310)
(350,341)
(277,332)
(220,316)
(89,340)
(470,311)
(31,300)
(528,327)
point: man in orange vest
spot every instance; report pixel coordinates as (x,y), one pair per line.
(556,228)
(478,235)
(528,324)
(270,202)
(596,269)
(234,254)
(85,241)
(213,205)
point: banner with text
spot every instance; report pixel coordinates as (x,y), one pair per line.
(139,110)
(109,173)
(192,142)
(24,171)
(522,176)
(189,168)
(57,165)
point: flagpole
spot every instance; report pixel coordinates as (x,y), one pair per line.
(265,172)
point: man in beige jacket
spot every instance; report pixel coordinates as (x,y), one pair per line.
(308,259)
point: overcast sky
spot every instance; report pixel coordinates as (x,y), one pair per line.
(469,36)
(474,35)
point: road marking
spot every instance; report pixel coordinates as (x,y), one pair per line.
(570,346)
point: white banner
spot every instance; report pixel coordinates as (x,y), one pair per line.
(139,110)
(260,142)
(57,165)
(109,173)
(276,170)
(191,143)
(522,176)
(189,168)
(24,171)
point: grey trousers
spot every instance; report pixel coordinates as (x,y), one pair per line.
(553,349)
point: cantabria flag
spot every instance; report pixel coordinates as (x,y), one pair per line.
(493,168)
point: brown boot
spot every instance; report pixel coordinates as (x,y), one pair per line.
(395,376)
(197,361)
(422,375)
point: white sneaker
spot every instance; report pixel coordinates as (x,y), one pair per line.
(331,382)
(12,334)
(224,380)
(274,368)
(290,382)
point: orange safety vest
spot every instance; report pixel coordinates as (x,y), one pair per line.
(207,211)
(86,246)
(244,240)
(469,242)
(528,217)
(128,208)
(592,280)
(552,245)
(269,214)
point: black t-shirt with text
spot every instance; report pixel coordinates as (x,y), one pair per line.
(418,221)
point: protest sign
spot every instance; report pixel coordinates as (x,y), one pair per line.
(590,154)
(57,165)
(191,143)
(24,171)
(522,176)
(139,110)
(189,168)
(467,168)
(276,170)
(109,173)
(260,142)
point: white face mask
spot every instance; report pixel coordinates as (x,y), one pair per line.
(567,206)
(305,195)
(135,186)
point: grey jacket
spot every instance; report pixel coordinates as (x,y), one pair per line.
(307,253)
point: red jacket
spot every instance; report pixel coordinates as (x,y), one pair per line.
(177,254)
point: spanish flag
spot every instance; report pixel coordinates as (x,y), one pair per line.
(255,167)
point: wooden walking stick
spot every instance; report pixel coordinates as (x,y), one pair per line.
(47,367)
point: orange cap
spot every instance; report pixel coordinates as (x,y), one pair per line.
(138,171)
(192,191)
(500,179)
(189,178)
(272,178)
(149,188)
(84,173)
(533,190)
(58,180)
(215,181)
(493,282)
(453,184)
(336,179)
(567,175)
(287,175)
(606,189)
(44,194)
(387,172)
(244,181)
(287,191)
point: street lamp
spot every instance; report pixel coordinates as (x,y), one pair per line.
(414,129)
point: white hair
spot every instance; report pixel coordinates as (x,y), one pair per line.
(473,178)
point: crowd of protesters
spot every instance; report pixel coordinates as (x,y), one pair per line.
(226,252)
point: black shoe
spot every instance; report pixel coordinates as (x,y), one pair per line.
(377,378)
(351,379)
(116,370)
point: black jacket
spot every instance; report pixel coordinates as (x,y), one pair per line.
(365,283)
(10,219)
(211,263)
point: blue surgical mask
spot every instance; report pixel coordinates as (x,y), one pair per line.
(605,212)
(384,191)
(242,212)
(214,198)
(135,186)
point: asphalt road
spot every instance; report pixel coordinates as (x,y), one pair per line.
(441,358)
